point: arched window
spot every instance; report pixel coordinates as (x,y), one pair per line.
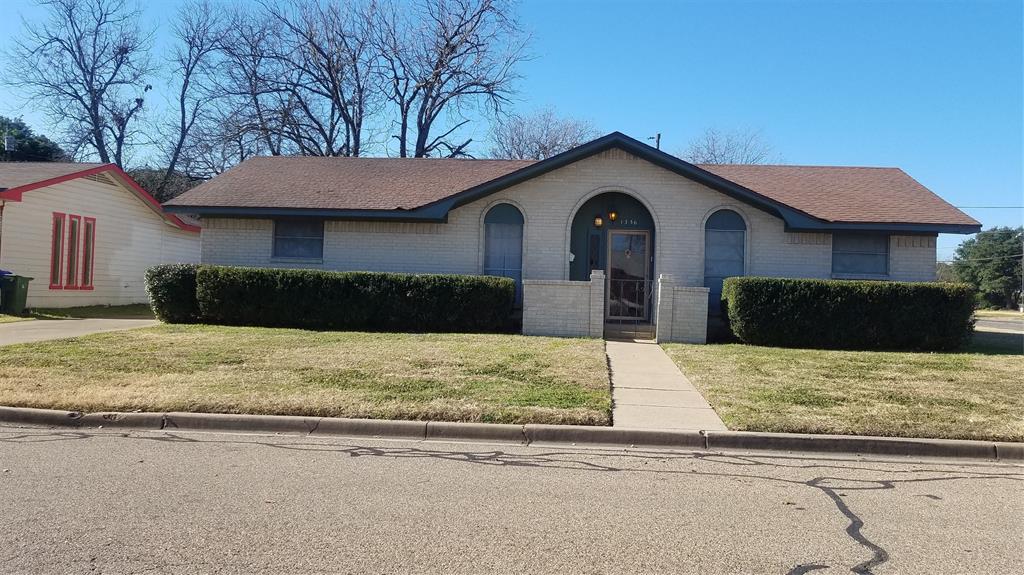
(503,244)
(724,247)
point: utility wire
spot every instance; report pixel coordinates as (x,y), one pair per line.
(982,259)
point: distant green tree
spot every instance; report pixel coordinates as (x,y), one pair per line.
(991,262)
(28,146)
(944,272)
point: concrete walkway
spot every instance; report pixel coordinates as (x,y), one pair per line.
(46,329)
(649,391)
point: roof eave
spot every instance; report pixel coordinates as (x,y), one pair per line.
(431,215)
(890,227)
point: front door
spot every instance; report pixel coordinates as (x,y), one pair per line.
(629,288)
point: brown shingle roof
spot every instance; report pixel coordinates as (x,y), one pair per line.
(833,194)
(846,194)
(15,174)
(343,183)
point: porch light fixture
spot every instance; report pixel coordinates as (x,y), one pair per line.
(613,215)
(598,221)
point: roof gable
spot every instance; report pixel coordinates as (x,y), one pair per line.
(18,178)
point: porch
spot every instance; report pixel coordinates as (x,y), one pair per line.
(569,308)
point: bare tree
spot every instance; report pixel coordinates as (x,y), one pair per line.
(327,51)
(220,142)
(251,97)
(735,147)
(538,135)
(439,58)
(88,66)
(198,32)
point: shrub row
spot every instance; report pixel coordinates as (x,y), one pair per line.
(172,292)
(316,299)
(841,314)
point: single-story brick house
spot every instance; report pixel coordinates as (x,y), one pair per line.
(85,233)
(612,232)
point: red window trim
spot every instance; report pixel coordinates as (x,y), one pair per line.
(92,253)
(71,277)
(57,216)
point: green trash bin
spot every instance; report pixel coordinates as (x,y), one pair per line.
(15,293)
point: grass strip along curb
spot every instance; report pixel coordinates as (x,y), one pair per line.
(521,434)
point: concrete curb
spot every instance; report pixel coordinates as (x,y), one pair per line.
(851,444)
(522,434)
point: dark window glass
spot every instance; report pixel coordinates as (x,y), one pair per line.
(72,276)
(860,254)
(503,244)
(302,239)
(56,249)
(88,241)
(724,253)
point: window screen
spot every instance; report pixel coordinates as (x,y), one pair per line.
(724,253)
(302,239)
(503,244)
(866,254)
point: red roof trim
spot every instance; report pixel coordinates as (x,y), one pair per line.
(14,194)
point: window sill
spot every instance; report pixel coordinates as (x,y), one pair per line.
(836,276)
(280,260)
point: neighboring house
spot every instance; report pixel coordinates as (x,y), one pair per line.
(85,233)
(658,233)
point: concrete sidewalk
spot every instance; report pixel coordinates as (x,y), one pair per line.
(649,391)
(46,329)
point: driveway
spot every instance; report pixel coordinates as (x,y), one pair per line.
(87,501)
(45,329)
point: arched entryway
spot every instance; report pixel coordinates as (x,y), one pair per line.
(614,232)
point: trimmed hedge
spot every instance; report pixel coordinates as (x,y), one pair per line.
(172,292)
(314,299)
(841,314)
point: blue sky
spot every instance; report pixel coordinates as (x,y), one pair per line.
(932,87)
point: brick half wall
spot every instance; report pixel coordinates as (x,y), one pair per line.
(564,308)
(682,312)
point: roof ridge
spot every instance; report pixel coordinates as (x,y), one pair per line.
(807,166)
(388,158)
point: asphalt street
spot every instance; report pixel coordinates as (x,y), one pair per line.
(103,501)
(1008,324)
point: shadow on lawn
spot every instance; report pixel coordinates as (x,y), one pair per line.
(996,343)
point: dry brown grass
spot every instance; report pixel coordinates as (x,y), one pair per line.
(945,395)
(452,377)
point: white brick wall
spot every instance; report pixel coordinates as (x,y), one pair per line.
(912,258)
(564,308)
(682,312)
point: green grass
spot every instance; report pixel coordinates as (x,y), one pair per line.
(5,318)
(133,311)
(976,394)
(451,377)
(998,313)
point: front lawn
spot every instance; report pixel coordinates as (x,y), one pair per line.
(451,377)
(978,394)
(999,313)
(131,311)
